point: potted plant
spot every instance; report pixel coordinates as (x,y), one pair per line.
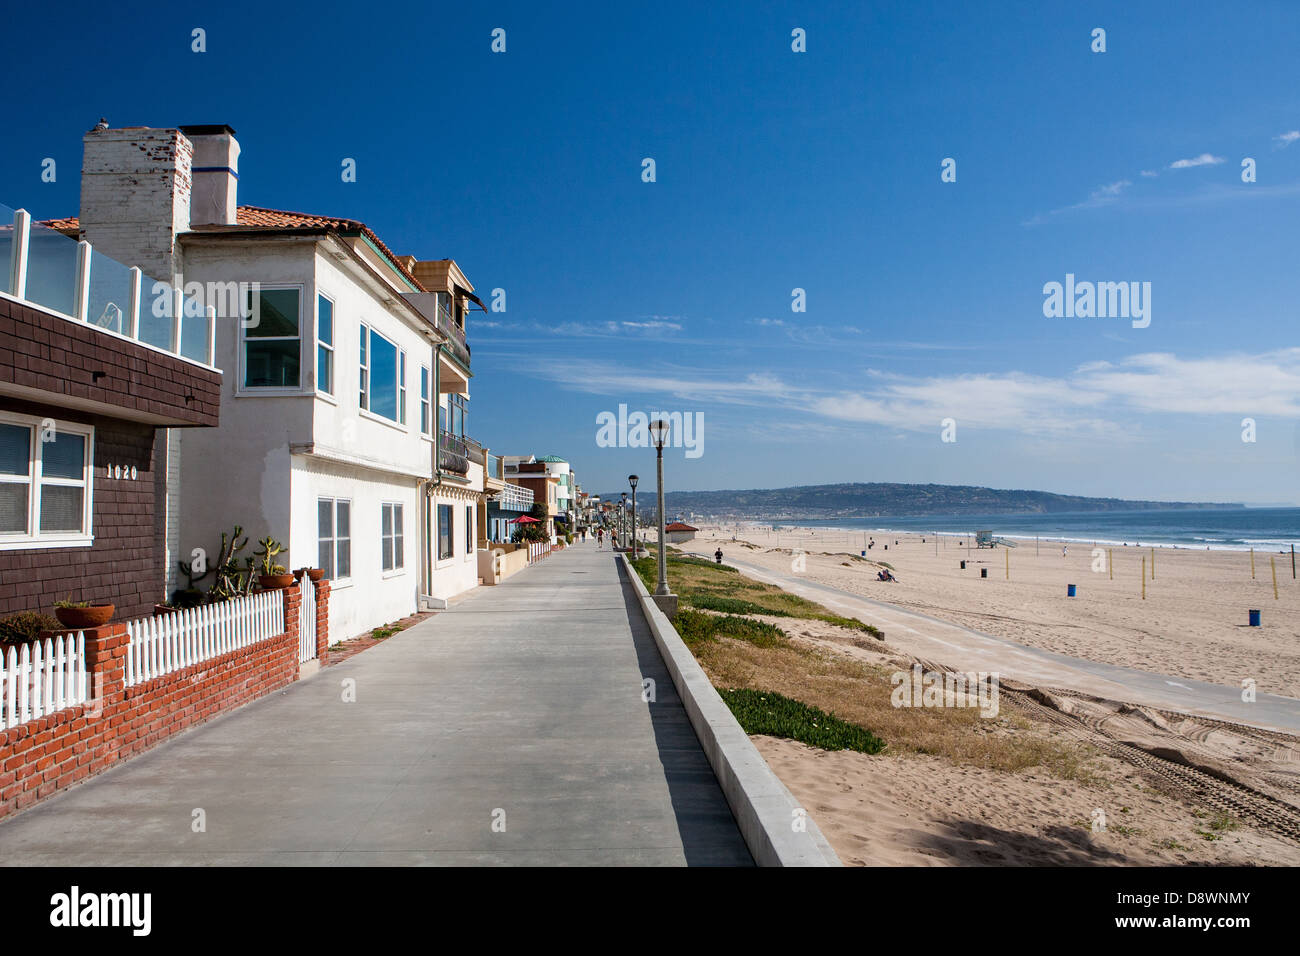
(25,627)
(313,574)
(79,615)
(271,576)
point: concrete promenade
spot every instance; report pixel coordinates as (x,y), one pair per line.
(518,710)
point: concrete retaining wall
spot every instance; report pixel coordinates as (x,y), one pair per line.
(763,807)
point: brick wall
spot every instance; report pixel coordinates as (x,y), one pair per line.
(47,754)
(121,567)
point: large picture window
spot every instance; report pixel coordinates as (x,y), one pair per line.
(334,537)
(383,376)
(46,481)
(271,346)
(391,536)
(444,532)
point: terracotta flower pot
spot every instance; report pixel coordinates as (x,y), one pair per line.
(160,609)
(80,618)
(314,574)
(274,582)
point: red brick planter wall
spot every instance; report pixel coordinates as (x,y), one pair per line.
(49,753)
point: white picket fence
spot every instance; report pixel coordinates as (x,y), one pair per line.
(538,550)
(307,621)
(42,677)
(160,645)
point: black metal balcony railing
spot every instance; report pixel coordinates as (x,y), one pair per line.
(453,453)
(455,335)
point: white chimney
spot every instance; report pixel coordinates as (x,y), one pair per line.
(135,196)
(216,174)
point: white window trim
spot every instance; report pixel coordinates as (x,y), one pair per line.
(33,538)
(334,538)
(398,569)
(331,346)
(441,562)
(471,542)
(277,391)
(426,401)
(400,423)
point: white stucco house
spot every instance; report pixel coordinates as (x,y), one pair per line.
(345,392)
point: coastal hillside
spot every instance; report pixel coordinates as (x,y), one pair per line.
(868,499)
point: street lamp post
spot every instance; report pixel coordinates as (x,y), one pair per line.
(622,514)
(632,480)
(666,600)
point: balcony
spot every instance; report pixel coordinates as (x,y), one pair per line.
(453,453)
(72,280)
(455,334)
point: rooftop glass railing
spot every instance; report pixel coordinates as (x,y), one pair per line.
(72,279)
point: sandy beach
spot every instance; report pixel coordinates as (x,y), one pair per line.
(1192,622)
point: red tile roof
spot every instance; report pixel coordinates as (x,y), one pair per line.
(679,526)
(260,217)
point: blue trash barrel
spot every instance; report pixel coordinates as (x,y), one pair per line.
(1254,618)
(963,565)
(864,554)
(1069,590)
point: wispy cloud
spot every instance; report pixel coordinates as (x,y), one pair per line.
(1205,159)
(1100,399)
(1286,139)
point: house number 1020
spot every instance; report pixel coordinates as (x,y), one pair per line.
(120,471)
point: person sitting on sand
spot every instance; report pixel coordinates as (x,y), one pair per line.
(885,575)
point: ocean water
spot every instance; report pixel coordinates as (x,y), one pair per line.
(1264,529)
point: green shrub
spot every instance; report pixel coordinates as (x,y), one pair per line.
(696,627)
(24,626)
(729,605)
(763,712)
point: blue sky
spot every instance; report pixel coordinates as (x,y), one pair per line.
(779,170)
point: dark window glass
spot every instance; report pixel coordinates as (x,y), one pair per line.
(65,457)
(15,449)
(444,531)
(13,508)
(60,508)
(276,312)
(272,364)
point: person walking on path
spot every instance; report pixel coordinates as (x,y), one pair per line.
(600,538)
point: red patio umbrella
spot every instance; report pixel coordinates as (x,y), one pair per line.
(523,519)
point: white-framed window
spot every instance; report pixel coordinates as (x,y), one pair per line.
(365,367)
(401,387)
(444,532)
(334,537)
(391,536)
(469,530)
(324,345)
(383,376)
(425,392)
(47,477)
(271,349)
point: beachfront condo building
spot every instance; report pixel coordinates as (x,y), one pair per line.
(344,397)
